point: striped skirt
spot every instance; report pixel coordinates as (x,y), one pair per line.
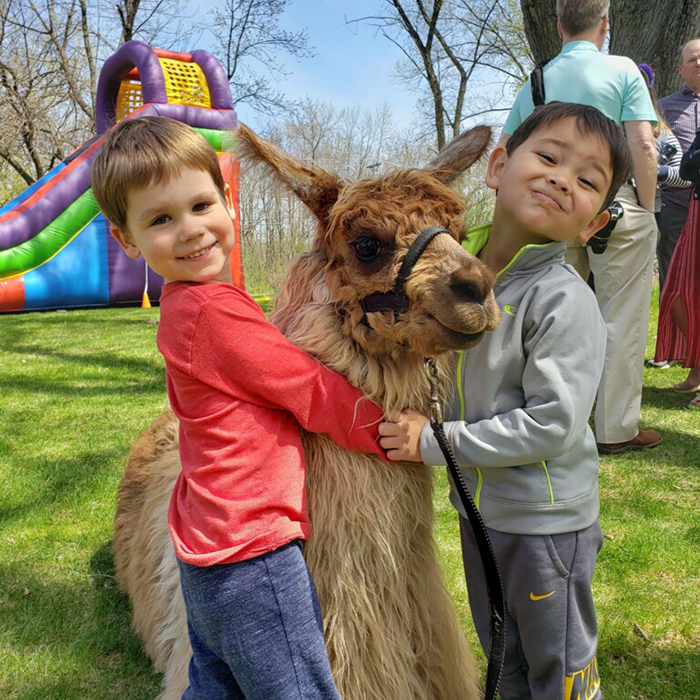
(682,280)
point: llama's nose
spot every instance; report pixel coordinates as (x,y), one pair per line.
(469,285)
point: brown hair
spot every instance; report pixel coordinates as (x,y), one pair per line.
(145,151)
(578,16)
(589,120)
(661,127)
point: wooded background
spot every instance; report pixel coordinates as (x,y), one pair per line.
(462,59)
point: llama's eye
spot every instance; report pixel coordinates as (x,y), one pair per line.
(367,248)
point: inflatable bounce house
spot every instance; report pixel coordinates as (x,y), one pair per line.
(55,248)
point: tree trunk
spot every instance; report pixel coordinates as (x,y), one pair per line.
(646,32)
(540,21)
(654,33)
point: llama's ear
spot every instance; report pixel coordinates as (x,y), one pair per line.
(459,154)
(314,186)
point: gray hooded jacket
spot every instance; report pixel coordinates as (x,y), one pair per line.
(518,423)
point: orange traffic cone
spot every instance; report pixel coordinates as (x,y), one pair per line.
(145,301)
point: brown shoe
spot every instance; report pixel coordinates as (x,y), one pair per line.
(644,439)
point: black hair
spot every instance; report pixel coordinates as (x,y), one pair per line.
(589,120)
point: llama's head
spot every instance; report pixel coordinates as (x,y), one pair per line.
(365,231)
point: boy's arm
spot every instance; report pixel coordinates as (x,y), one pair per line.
(242,354)
(565,351)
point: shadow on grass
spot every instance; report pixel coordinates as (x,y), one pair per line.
(101,360)
(666,398)
(662,671)
(84,632)
(88,316)
(57,481)
(77,387)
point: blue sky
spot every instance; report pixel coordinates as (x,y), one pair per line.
(353,64)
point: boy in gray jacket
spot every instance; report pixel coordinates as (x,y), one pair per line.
(519,425)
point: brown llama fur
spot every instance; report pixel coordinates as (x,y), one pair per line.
(391,629)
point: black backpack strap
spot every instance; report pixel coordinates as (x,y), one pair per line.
(537,83)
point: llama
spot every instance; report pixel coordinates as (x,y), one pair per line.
(391,629)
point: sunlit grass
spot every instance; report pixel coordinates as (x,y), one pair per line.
(76,388)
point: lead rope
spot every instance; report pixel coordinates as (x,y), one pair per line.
(494,586)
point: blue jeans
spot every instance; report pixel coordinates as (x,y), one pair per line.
(256,630)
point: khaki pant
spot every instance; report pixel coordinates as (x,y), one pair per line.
(622,278)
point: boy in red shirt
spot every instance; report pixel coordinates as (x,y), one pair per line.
(240,390)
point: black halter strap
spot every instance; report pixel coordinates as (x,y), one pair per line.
(396,300)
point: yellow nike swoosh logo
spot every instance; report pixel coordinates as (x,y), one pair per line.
(540,597)
(510,310)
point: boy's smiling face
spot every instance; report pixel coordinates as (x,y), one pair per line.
(182,227)
(553,185)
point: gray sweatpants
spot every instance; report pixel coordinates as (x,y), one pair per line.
(551,628)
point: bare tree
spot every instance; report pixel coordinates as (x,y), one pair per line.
(47,74)
(351,142)
(162,23)
(540,23)
(452,48)
(649,32)
(51,52)
(249,42)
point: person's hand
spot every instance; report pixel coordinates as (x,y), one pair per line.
(401,437)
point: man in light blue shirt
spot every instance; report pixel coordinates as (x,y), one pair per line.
(613,84)
(623,273)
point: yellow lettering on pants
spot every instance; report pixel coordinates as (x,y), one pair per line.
(583,684)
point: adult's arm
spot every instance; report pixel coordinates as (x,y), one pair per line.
(690,163)
(640,140)
(669,173)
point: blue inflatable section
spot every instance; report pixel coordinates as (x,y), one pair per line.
(30,190)
(78,274)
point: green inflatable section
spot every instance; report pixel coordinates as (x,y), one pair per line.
(61,231)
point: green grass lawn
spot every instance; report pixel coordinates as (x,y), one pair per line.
(77,387)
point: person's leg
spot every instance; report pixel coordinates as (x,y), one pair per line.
(547,583)
(261,616)
(281,649)
(582,679)
(577,256)
(679,314)
(210,675)
(514,685)
(623,280)
(671,219)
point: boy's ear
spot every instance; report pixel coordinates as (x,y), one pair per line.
(125,242)
(497,161)
(595,226)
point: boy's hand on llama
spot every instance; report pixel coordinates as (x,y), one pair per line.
(401,437)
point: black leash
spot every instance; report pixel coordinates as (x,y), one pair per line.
(494,586)
(397,301)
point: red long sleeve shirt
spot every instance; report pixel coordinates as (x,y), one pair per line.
(240,390)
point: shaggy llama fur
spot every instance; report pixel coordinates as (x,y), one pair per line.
(391,629)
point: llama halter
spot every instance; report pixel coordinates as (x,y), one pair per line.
(397,300)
